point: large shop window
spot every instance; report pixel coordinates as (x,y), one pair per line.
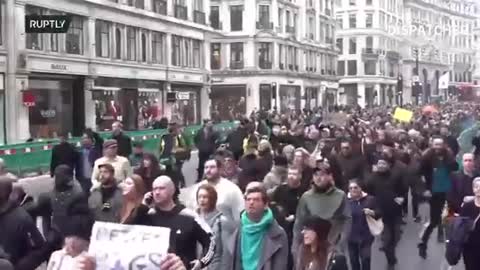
(52,113)
(228,101)
(311,94)
(149,108)
(289,98)
(185,110)
(108,108)
(265,55)
(74,37)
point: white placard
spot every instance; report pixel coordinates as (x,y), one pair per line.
(128,247)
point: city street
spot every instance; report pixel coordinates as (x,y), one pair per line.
(407,251)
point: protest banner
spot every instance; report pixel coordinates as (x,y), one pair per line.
(128,247)
(403,115)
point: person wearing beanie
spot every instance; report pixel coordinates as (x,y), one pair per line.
(277,175)
(110,156)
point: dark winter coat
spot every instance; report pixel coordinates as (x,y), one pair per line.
(124,144)
(63,153)
(461,187)
(360,233)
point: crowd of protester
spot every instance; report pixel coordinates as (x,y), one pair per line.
(297,191)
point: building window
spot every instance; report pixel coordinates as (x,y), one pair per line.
(236,55)
(102,38)
(369,44)
(216,51)
(352,67)
(158,47)
(370,67)
(236,18)
(369,20)
(176,51)
(130,3)
(54,42)
(352,20)
(264,55)
(369,2)
(215,17)
(281,59)
(197,53)
(198,5)
(159,6)
(144,47)
(352,46)
(131,43)
(352,2)
(340,45)
(280,20)
(263,17)
(118,43)
(74,37)
(341,68)
(34,40)
(140,4)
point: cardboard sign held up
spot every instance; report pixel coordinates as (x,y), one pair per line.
(339,119)
(403,115)
(118,246)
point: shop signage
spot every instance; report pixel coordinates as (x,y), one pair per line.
(28,99)
(58,67)
(183,95)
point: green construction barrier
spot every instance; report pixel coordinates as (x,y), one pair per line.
(34,157)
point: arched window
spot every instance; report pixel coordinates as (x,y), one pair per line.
(118,44)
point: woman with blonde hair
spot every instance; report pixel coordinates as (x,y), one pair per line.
(133,191)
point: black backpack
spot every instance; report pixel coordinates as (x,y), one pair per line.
(458,234)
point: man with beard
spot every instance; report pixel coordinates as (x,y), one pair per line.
(387,188)
(285,198)
(351,165)
(461,191)
(437,165)
(326,201)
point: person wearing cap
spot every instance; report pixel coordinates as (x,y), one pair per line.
(315,251)
(326,201)
(106,199)
(124,142)
(120,164)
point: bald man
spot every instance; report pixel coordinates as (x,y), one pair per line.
(159,209)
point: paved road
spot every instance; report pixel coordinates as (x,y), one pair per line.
(407,251)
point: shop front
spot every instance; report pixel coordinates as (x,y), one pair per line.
(55,105)
(228,101)
(290,98)
(185,110)
(135,103)
(311,98)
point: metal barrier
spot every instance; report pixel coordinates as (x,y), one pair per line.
(34,157)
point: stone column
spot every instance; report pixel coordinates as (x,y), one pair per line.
(89,104)
(361,95)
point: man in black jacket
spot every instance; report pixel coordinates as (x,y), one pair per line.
(462,184)
(206,142)
(22,243)
(63,153)
(185,226)
(124,142)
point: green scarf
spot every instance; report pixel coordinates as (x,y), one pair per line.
(251,239)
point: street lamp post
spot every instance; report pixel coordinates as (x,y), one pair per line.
(416,81)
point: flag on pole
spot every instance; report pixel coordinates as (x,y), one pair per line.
(443,81)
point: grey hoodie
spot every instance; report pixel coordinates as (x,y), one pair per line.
(276,177)
(220,228)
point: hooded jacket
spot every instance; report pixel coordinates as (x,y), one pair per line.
(360,232)
(55,206)
(276,177)
(221,228)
